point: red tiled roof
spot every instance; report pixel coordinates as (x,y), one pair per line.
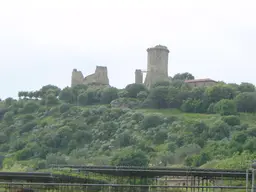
(199,80)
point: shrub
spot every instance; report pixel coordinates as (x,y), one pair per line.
(232,120)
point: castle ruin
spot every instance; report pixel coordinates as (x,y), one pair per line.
(157,70)
(100,77)
(157,66)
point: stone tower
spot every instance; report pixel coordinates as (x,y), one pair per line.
(138,76)
(157,66)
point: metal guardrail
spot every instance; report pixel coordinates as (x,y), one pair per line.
(143,168)
(26,176)
(143,171)
(5,184)
(45,177)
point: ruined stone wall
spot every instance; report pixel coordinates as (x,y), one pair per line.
(201,83)
(138,76)
(99,77)
(157,66)
(77,77)
(89,79)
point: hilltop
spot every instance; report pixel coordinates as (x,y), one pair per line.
(172,124)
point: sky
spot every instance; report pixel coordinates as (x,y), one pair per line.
(42,41)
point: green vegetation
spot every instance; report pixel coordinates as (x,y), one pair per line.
(169,125)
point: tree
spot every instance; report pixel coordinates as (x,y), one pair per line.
(197,93)
(142,95)
(51,100)
(89,97)
(231,120)
(30,107)
(64,107)
(24,94)
(225,107)
(24,154)
(20,94)
(179,84)
(160,136)
(162,83)
(183,76)
(250,145)
(234,86)
(122,93)
(37,94)
(246,87)
(220,91)
(31,94)
(240,137)
(199,128)
(8,117)
(82,136)
(152,120)
(2,112)
(27,127)
(158,97)
(200,159)
(3,138)
(85,99)
(78,89)
(246,102)
(174,97)
(108,94)
(55,159)
(134,89)
(50,89)
(192,106)
(165,158)
(125,139)
(219,130)
(67,95)
(130,157)
(8,101)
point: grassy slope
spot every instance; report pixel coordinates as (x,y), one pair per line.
(208,118)
(245,118)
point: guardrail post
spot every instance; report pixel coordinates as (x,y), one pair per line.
(247,180)
(253,178)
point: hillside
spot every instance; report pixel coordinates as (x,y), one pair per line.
(168,125)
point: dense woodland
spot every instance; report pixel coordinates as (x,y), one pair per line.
(169,125)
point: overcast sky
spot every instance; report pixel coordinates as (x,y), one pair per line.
(41,41)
